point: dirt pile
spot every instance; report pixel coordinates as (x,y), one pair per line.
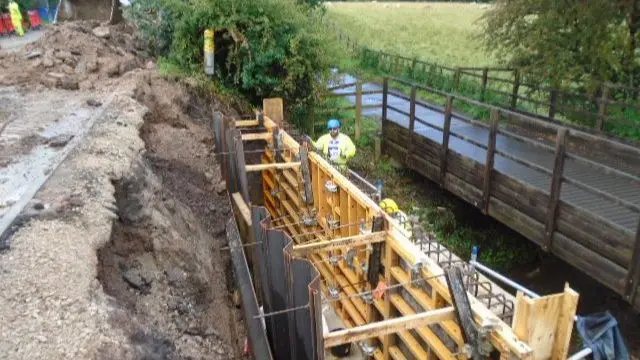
(120,255)
(75,55)
(164,261)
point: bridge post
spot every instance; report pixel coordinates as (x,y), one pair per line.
(380,135)
(602,107)
(516,88)
(412,124)
(633,275)
(358,109)
(556,185)
(485,79)
(488,164)
(553,99)
(456,79)
(445,139)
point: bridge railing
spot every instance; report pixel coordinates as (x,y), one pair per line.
(610,109)
(605,246)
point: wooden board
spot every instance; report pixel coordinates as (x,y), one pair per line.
(349,206)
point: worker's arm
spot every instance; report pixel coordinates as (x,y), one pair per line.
(349,149)
(322,141)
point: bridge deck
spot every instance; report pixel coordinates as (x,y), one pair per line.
(596,178)
(595,233)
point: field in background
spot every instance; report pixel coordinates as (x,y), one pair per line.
(445,33)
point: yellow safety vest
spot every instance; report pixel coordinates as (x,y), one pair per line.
(338,149)
(14,11)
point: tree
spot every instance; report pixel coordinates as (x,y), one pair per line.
(576,40)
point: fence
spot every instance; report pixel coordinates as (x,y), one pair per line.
(584,210)
(610,109)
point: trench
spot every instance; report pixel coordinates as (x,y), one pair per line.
(164,266)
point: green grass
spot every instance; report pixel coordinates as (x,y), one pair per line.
(444,33)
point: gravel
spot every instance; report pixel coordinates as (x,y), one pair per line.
(53,306)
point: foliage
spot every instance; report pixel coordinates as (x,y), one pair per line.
(265,48)
(444,33)
(573,39)
(497,249)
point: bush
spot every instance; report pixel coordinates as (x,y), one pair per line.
(265,48)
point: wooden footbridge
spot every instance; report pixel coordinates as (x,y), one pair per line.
(574,193)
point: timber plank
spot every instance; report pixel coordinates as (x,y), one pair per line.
(465,168)
(610,241)
(516,220)
(526,198)
(605,271)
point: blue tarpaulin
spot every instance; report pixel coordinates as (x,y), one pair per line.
(601,333)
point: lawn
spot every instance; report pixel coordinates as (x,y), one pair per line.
(445,33)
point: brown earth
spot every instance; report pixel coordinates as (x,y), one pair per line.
(120,256)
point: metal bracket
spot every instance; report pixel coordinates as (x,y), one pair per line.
(367,349)
(350,256)
(333,223)
(309,220)
(416,273)
(367,297)
(334,292)
(331,186)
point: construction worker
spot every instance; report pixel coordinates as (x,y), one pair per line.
(391,208)
(16,17)
(335,146)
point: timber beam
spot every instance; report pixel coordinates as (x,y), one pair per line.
(247,123)
(257,136)
(349,241)
(390,326)
(260,167)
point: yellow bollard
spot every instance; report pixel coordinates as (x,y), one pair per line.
(209,48)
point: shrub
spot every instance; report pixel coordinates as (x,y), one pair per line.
(265,48)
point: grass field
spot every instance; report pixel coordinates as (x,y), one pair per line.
(446,33)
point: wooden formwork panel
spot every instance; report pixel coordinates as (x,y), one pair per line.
(340,214)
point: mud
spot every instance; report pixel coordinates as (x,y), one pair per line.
(118,255)
(164,263)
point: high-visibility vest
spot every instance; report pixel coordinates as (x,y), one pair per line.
(338,149)
(14,10)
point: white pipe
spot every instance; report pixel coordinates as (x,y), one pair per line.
(581,354)
(504,279)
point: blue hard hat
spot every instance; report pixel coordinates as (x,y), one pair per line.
(332,124)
